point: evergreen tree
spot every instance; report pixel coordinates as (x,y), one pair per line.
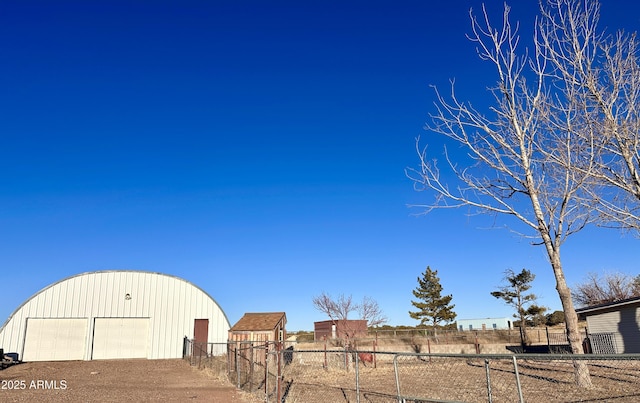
(514,294)
(433,308)
(555,318)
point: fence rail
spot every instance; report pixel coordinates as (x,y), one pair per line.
(537,335)
(277,373)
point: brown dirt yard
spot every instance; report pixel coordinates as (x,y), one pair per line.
(115,381)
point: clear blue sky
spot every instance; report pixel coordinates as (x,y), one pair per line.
(254,148)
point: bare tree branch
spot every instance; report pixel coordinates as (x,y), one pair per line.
(603,74)
(335,309)
(536,154)
(339,309)
(610,287)
(370,311)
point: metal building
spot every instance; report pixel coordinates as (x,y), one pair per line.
(113,314)
(340,329)
(484,324)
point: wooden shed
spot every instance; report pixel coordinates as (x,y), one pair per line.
(259,327)
(339,329)
(256,335)
(614,328)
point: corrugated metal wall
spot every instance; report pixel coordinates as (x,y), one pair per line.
(354,328)
(322,330)
(477,324)
(172,304)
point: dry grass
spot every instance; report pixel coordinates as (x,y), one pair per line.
(462,380)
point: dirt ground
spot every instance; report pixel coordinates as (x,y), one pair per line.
(461,379)
(115,381)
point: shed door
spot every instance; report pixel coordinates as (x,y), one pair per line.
(120,338)
(200,336)
(55,339)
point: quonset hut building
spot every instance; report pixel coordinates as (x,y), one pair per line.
(113,314)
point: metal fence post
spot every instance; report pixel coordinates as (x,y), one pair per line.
(251,366)
(229,358)
(346,360)
(486,366)
(375,357)
(184,347)
(266,372)
(548,341)
(192,353)
(518,385)
(278,351)
(357,360)
(326,365)
(395,370)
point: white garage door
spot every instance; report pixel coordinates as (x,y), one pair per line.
(120,338)
(55,339)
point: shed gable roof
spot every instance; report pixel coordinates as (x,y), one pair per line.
(259,321)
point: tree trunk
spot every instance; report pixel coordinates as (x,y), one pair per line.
(523,337)
(552,246)
(581,370)
(524,341)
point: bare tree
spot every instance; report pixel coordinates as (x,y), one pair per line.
(370,311)
(603,73)
(339,309)
(610,287)
(521,153)
(335,309)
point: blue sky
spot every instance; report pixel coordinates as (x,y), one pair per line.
(256,149)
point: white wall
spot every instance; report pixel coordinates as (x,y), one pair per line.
(476,324)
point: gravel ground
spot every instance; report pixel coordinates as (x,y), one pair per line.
(114,381)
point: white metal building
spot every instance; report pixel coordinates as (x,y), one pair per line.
(484,324)
(113,314)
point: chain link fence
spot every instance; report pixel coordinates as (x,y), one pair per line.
(274,373)
(530,340)
(537,335)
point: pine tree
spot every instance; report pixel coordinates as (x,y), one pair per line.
(433,308)
(514,294)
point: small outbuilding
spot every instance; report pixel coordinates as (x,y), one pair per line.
(255,335)
(339,329)
(259,327)
(613,328)
(113,314)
